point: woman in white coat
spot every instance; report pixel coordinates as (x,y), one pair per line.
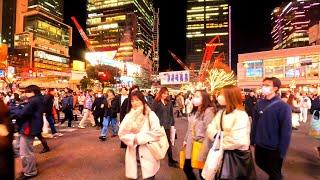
(139,126)
(234,122)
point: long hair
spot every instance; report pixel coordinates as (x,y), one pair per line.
(112,92)
(159,95)
(140,96)
(206,102)
(232,95)
(290,99)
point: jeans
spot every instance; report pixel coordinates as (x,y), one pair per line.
(270,162)
(81,108)
(105,128)
(28,158)
(51,123)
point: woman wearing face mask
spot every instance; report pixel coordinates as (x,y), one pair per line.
(234,122)
(203,114)
(164,110)
(140,126)
(110,115)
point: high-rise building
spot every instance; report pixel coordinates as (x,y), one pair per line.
(124,26)
(42,40)
(7,23)
(291,21)
(205,20)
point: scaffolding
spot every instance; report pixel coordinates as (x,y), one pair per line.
(155,44)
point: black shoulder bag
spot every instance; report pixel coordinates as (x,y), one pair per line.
(237,164)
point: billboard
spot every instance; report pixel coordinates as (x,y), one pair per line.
(174,77)
(78,65)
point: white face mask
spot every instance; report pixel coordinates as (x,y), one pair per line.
(196,101)
(221,100)
(99,95)
(266,90)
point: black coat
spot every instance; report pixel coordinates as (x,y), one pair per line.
(6,150)
(48,103)
(249,103)
(164,113)
(124,108)
(113,110)
(98,106)
(32,113)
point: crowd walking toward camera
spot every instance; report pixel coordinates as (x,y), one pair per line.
(226,135)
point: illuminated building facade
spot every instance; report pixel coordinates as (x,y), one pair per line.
(205,20)
(291,21)
(42,40)
(301,65)
(122,25)
(7,23)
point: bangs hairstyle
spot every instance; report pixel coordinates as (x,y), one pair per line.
(232,94)
(140,96)
(159,95)
(206,102)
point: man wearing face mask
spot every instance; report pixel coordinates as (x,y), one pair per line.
(98,109)
(271,129)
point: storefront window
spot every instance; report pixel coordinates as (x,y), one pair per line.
(254,69)
(275,67)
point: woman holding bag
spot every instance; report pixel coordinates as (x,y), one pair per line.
(139,128)
(202,115)
(235,125)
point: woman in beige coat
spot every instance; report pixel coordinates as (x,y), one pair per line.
(197,127)
(139,126)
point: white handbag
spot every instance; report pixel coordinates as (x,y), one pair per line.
(214,158)
(159,148)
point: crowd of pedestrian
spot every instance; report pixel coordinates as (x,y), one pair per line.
(261,124)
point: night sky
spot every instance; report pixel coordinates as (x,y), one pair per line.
(251,28)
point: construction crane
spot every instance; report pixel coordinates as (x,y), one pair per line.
(82,33)
(209,50)
(185,67)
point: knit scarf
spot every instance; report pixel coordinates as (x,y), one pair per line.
(136,119)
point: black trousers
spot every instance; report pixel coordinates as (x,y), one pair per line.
(270,162)
(43,141)
(188,170)
(81,108)
(68,116)
(169,152)
(98,116)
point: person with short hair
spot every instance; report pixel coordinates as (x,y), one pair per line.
(110,116)
(88,110)
(67,106)
(271,129)
(32,116)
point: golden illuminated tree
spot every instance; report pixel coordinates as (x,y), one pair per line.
(219,76)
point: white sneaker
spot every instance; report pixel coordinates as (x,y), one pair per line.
(57,135)
(81,127)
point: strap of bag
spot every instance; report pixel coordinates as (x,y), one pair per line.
(268,106)
(221,118)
